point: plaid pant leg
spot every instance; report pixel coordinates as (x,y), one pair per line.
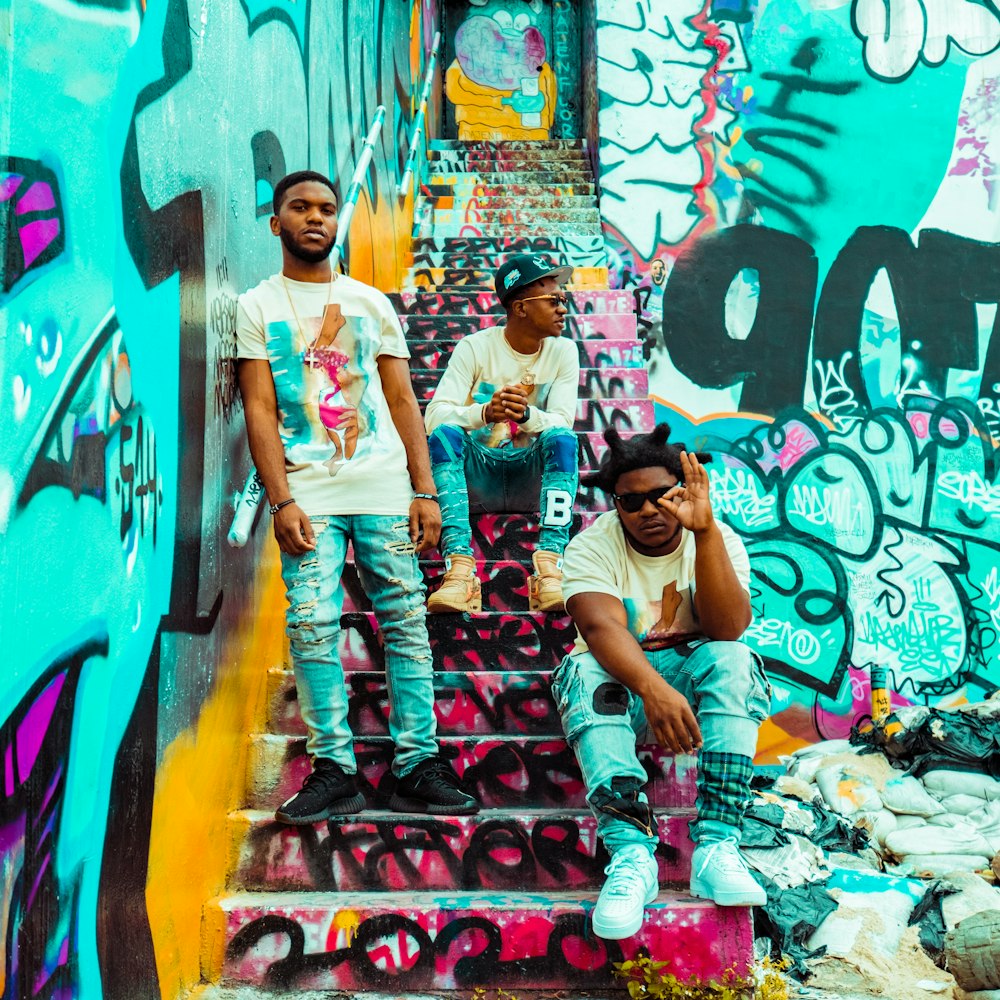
(723,787)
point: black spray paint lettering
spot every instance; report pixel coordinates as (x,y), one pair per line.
(936,286)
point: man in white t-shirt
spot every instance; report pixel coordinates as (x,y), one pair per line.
(336,435)
(660,594)
(501,432)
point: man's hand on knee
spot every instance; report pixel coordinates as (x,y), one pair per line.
(670,717)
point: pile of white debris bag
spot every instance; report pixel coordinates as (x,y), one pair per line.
(880,855)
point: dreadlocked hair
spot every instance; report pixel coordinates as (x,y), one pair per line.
(643,451)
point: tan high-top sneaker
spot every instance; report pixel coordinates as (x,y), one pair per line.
(460,589)
(545,585)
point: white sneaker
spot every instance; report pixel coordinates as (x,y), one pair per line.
(719,873)
(632,882)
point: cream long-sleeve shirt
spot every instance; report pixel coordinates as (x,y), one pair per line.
(484,362)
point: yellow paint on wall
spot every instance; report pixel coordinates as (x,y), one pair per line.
(201,779)
(483,112)
(772,740)
(379,241)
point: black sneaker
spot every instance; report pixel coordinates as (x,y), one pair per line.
(432,787)
(328,791)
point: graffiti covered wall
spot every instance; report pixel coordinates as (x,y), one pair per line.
(135,211)
(513,69)
(815,269)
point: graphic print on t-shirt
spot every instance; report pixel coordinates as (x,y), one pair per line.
(657,624)
(320,385)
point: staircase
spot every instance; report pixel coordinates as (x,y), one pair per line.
(384,902)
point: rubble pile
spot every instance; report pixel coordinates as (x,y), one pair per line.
(880,855)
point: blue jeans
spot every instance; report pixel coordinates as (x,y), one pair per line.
(603,721)
(540,478)
(387,567)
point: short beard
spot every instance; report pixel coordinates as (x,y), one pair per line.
(301,253)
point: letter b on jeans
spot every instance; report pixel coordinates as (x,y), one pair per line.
(558,509)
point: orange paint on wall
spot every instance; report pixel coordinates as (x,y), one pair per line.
(201,778)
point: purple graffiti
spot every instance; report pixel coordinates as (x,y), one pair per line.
(35,228)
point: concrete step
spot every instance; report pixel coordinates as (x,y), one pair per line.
(457,940)
(487,641)
(579,326)
(206,991)
(511,537)
(491,230)
(491,261)
(505,185)
(433,354)
(595,278)
(442,178)
(504,772)
(506,244)
(514,161)
(595,383)
(509,155)
(505,145)
(513,215)
(501,199)
(384,852)
(504,583)
(484,302)
(466,703)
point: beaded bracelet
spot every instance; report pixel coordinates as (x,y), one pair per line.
(426,496)
(275,507)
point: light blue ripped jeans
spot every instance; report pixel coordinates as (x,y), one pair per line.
(387,567)
(540,478)
(730,696)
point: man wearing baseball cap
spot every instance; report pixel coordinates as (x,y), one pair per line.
(501,432)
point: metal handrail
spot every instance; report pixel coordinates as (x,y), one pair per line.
(419,119)
(253,491)
(360,171)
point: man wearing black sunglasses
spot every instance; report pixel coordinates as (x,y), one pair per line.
(660,594)
(501,433)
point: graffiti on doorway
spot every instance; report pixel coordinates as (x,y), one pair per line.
(501,84)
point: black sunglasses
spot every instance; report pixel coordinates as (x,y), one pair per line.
(632,503)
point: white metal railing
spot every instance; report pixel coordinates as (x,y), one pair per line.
(351,200)
(419,119)
(253,491)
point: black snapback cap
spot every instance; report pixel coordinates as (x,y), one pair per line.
(525,269)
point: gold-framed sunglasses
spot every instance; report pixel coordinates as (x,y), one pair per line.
(557,298)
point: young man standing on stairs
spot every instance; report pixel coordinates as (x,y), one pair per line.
(660,594)
(335,433)
(501,432)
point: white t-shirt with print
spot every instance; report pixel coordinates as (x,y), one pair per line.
(656,591)
(332,467)
(484,362)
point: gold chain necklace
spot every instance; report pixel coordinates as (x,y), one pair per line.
(527,376)
(310,354)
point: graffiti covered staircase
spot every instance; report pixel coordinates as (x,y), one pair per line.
(388,902)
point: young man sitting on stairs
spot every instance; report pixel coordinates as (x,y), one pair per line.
(660,596)
(501,432)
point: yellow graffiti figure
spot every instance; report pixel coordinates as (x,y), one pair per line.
(500,83)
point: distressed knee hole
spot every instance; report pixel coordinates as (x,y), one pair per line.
(625,800)
(611,699)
